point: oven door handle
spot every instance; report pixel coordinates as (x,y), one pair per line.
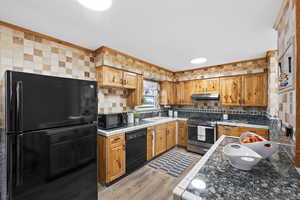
(207,127)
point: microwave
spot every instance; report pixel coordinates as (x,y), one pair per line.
(110,121)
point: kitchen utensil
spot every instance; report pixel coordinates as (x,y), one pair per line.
(240,156)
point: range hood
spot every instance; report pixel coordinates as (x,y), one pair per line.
(198,97)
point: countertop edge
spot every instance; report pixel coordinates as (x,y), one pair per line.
(243,125)
(183,184)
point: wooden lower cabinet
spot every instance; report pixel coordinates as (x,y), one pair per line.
(160,139)
(182,134)
(112,159)
(150,143)
(237,131)
(262,132)
(171,135)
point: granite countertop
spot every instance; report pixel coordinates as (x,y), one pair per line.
(143,124)
(273,178)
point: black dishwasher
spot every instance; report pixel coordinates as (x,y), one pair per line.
(136,149)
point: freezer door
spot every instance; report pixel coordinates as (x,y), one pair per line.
(36,102)
(53,164)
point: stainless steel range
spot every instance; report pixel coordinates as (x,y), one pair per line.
(202,134)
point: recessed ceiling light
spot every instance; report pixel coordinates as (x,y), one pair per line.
(98,5)
(198,61)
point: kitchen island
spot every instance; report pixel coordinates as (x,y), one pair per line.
(214,178)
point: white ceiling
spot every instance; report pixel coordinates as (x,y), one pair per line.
(168,33)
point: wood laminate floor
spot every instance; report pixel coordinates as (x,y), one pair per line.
(145,184)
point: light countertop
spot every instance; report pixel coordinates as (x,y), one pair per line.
(272,178)
(148,122)
(143,124)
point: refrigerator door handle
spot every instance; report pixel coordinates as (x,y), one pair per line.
(20,106)
(19,160)
(19,156)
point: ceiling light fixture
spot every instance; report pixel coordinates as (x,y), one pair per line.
(198,61)
(98,5)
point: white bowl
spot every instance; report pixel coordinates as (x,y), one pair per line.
(264,147)
(241,157)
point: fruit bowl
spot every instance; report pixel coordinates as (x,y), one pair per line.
(240,156)
(258,144)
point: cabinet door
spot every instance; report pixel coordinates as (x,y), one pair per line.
(179,93)
(255,89)
(212,85)
(200,87)
(163,98)
(230,91)
(135,97)
(262,132)
(188,91)
(167,93)
(182,134)
(150,143)
(229,131)
(129,80)
(116,157)
(110,77)
(160,140)
(171,135)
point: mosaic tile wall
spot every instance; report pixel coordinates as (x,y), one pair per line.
(256,66)
(112,100)
(215,107)
(110,57)
(24,52)
(286,39)
(27,53)
(273,97)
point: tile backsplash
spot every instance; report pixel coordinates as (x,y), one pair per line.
(112,100)
(29,53)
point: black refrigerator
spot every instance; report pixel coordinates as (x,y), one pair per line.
(49,137)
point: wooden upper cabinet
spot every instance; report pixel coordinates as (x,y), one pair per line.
(171,135)
(135,97)
(206,86)
(255,90)
(109,77)
(167,90)
(230,91)
(212,85)
(188,91)
(112,77)
(129,80)
(179,93)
